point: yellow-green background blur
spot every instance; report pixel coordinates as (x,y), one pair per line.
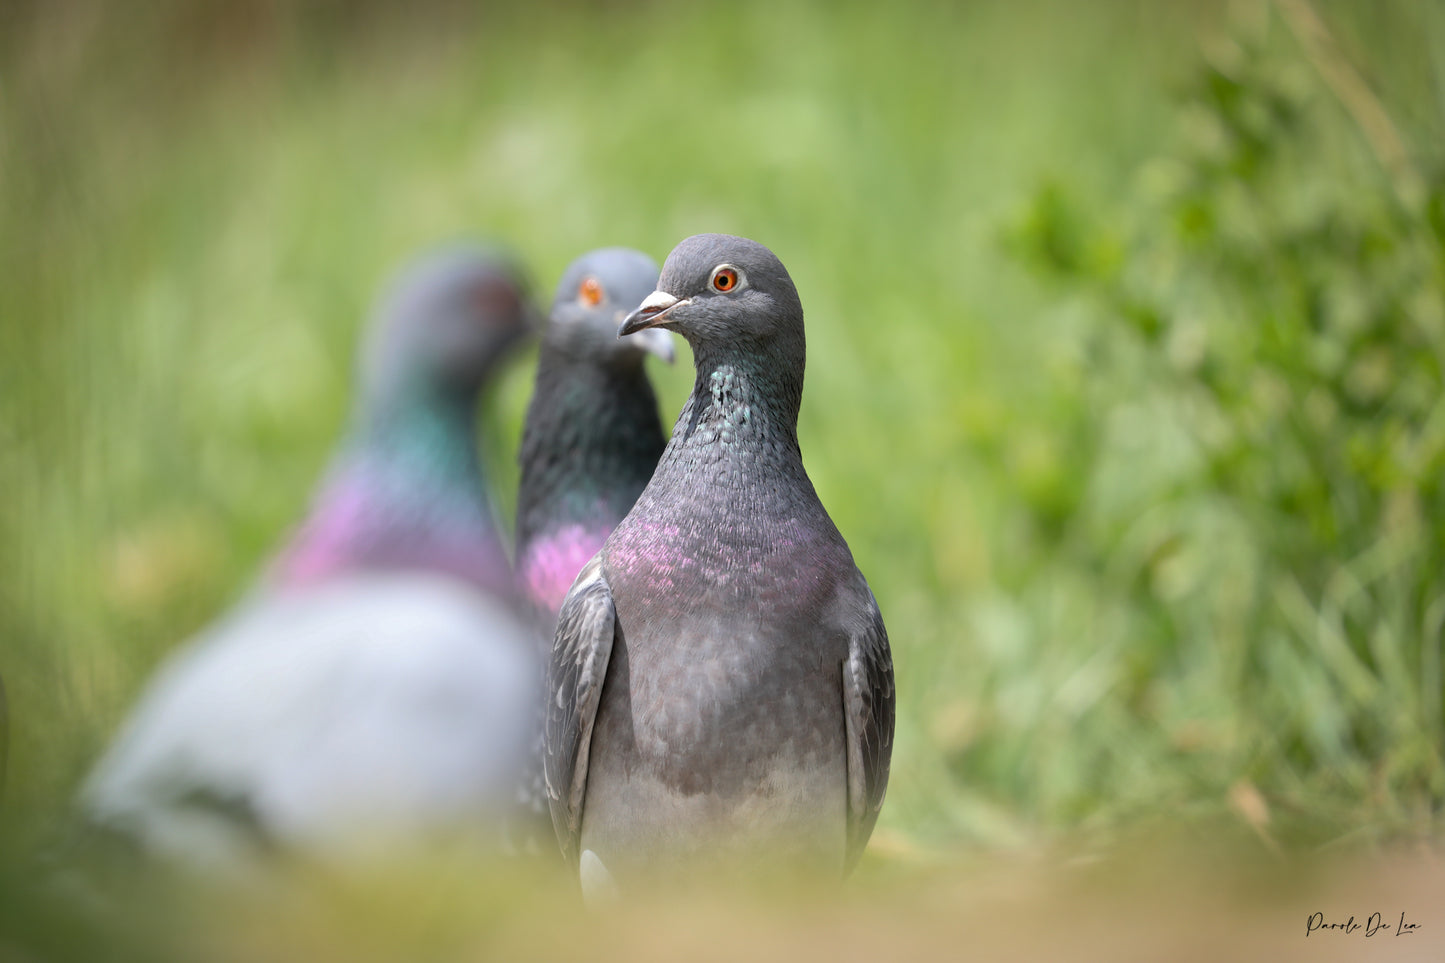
(1126,330)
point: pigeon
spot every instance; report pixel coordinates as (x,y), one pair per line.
(377,688)
(592,435)
(591,440)
(720,687)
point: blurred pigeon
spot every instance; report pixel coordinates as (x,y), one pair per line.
(591,442)
(592,436)
(378,684)
(721,684)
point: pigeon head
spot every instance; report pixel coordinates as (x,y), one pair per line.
(717,289)
(444,323)
(593,298)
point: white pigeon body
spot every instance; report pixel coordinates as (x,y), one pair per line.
(345,720)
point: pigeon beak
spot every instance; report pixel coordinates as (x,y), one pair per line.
(654,308)
(656,341)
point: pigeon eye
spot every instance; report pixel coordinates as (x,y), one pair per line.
(725,279)
(590,293)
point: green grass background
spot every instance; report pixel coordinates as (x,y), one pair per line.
(1126,339)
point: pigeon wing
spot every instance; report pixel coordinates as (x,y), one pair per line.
(868,705)
(580,653)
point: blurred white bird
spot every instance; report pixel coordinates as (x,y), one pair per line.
(378,686)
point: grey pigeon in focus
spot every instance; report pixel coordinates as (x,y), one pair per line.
(720,684)
(378,685)
(592,435)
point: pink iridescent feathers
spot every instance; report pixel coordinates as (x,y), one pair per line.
(550,564)
(592,435)
(350,529)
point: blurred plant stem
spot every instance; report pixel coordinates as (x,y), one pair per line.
(1344,80)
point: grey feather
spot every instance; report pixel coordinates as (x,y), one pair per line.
(869,710)
(574,689)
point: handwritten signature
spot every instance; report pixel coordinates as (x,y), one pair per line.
(1375,924)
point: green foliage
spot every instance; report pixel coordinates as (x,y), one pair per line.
(1266,334)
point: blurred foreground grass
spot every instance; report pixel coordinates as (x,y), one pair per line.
(1166,900)
(1125,357)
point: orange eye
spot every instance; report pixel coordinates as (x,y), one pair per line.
(590,292)
(725,279)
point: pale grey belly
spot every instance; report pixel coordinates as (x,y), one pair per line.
(639,823)
(717,751)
